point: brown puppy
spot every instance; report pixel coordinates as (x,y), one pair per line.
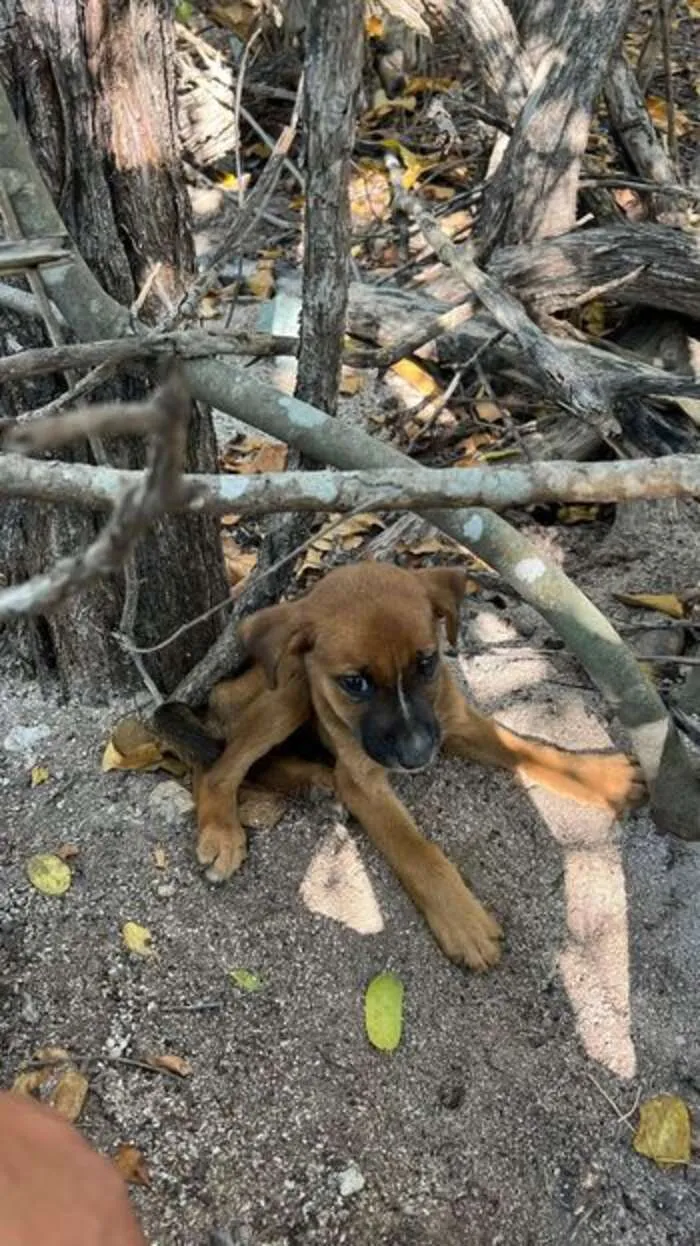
(359,660)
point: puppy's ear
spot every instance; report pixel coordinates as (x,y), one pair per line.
(272,633)
(445,587)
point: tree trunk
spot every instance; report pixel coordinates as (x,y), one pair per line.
(533,192)
(92,83)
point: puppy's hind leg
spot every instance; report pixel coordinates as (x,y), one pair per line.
(610,780)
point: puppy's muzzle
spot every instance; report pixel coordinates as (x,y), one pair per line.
(398,743)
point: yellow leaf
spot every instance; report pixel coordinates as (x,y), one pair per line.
(239,563)
(172,1063)
(418,86)
(374,26)
(229,181)
(578,514)
(665,603)
(69,1095)
(693,8)
(593,318)
(49,874)
(138,939)
(134,747)
(261,283)
(370,194)
(29,1082)
(132,1165)
(384,1011)
(418,378)
(351,381)
(39,775)
(663,1133)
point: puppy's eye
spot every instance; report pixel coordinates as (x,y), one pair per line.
(426,664)
(359,687)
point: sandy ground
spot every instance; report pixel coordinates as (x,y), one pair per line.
(502,1118)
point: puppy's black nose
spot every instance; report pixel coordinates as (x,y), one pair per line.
(415,748)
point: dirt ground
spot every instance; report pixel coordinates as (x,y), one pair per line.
(504,1115)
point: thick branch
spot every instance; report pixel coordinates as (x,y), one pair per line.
(411,488)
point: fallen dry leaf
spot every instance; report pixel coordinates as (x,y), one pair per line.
(28,1082)
(49,874)
(160,857)
(138,939)
(67,852)
(336,885)
(69,1095)
(665,603)
(134,747)
(238,562)
(578,514)
(657,108)
(132,1165)
(173,1064)
(351,381)
(39,775)
(663,1133)
(488,411)
(384,1011)
(58,1081)
(249,456)
(261,283)
(370,194)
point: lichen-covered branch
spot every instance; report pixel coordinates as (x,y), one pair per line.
(410,488)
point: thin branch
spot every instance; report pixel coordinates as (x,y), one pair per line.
(574,388)
(195,344)
(154,493)
(18,255)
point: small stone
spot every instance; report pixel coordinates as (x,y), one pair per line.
(165,891)
(171,802)
(350,1181)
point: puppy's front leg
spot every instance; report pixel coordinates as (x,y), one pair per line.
(611,780)
(266,721)
(462,927)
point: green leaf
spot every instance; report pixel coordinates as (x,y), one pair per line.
(245,980)
(384,1011)
(183,11)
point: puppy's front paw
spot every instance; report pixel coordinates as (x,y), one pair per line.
(463,928)
(613,780)
(222,847)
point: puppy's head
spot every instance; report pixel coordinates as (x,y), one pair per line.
(370,634)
